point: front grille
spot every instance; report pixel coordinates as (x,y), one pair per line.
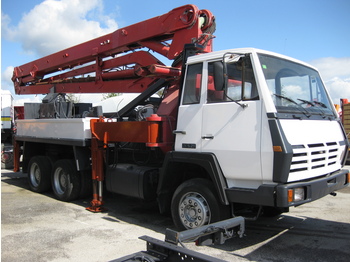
(314,156)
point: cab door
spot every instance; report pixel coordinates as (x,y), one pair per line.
(231,124)
(226,122)
(189,123)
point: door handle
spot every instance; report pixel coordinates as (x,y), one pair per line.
(179,132)
(208,137)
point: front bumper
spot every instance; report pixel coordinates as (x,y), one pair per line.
(314,189)
(277,195)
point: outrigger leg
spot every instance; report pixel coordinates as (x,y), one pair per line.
(97,177)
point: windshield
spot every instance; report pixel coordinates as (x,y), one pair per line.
(295,89)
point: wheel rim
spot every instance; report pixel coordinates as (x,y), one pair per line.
(61,180)
(5,157)
(35,175)
(194,210)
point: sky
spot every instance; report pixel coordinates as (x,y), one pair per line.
(314,31)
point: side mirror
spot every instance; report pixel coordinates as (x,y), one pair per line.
(220,70)
(220,78)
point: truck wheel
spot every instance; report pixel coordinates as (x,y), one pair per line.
(39,170)
(6,156)
(65,180)
(195,204)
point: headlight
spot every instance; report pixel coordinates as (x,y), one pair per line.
(296,194)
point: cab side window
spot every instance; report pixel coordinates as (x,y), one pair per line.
(192,87)
(240,84)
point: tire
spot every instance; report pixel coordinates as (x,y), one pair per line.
(39,174)
(65,180)
(6,156)
(195,203)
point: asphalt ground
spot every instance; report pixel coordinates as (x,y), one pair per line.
(37,227)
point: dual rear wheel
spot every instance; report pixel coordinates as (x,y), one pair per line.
(62,177)
(39,171)
(65,180)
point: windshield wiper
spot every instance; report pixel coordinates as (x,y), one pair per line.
(286,98)
(321,104)
(306,102)
(323,114)
(304,111)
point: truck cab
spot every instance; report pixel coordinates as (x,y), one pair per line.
(268,123)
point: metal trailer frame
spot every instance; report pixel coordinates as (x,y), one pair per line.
(169,251)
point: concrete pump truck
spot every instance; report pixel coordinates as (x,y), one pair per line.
(234,130)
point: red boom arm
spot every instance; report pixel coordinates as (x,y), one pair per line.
(84,68)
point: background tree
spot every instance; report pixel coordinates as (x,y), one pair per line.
(73,98)
(109,95)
